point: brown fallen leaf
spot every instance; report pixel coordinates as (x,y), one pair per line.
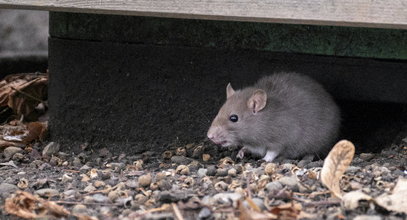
(5,144)
(288,211)
(252,204)
(23,92)
(36,131)
(335,165)
(248,214)
(25,205)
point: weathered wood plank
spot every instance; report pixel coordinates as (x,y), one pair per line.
(359,13)
(307,39)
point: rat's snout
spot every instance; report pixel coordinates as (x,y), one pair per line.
(211,133)
(215,135)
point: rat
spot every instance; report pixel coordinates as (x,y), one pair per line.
(286,115)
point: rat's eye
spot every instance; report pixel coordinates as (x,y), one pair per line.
(233,118)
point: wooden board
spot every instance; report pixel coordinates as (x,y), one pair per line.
(292,38)
(358,13)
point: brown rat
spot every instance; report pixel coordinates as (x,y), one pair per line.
(285,114)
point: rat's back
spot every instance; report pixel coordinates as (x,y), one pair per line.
(306,115)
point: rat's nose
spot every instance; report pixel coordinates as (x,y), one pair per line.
(210,136)
(211,133)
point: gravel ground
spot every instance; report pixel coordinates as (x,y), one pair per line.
(202,181)
(195,181)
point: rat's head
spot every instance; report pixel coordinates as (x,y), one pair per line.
(238,117)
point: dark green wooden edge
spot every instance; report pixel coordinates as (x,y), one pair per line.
(307,39)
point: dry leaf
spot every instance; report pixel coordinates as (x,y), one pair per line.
(397,201)
(5,144)
(288,211)
(36,131)
(335,165)
(23,92)
(252,204)
(247,214)
(26,205)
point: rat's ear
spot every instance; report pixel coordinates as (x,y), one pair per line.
(258,100)
(229,90)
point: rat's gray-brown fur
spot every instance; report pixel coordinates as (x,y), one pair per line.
(298,118)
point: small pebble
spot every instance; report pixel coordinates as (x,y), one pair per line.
(104,152)
(85,168)
(352,169)
(76,162)
(366,156)
(312,164)
(69,193)
(169,197)
(18,157)
(44,166)
(232,172)
(205,213)
(164,185)
(66,178)
(194,166)
(259,202)
(84,178)
(6,189)
(221,186)
(115,165)
(131,184)
(211,171)
(140,198)
(226,198)
(198,152)
(89,188)
(181,151)
(201,172)
(10,151)
(270,168)
(167,154)
(99,183)
(50,149)
(47,192)
(79,210)
(367,217)
(206,157)
(113,195)
(289,181)
(144,180)
(287,166)
(180,160)
(93,173)
(100,198)
(182,169)
(55,161)
(160,176)
(221,172)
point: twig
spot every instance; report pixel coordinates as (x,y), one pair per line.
(72,171)
(177,212)
(85,203)
(28,95)
(323,203)
(159,209)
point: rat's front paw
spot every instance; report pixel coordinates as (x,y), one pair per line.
(270,156)
(241,153)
